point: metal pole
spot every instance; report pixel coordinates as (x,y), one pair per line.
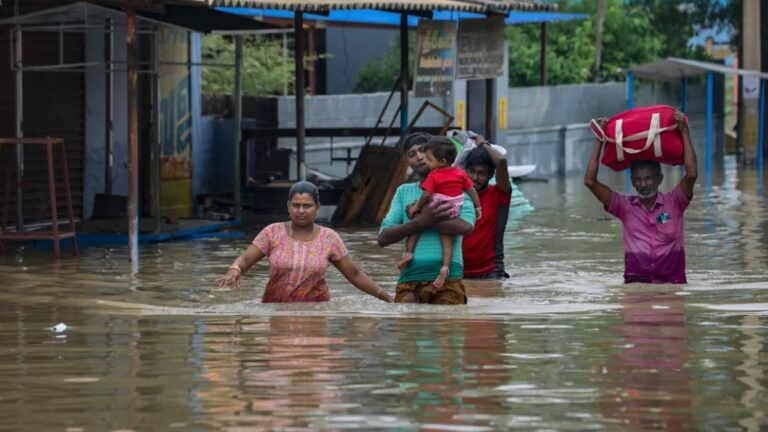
(630,105)
(684,95)
(403,76)
(708,142)
(157,149)
(543,54)
(133,138)
(683,106)
(238,122)
(285,63)
(298,55)
(19,131)
(761,131)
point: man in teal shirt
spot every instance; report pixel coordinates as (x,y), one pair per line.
(415,283)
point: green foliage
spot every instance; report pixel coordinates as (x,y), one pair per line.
(634,32)
(381,74)
(570,53)
(265,70)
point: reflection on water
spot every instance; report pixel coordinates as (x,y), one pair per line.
(562,345)
(649,380)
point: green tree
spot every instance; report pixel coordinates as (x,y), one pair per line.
(381,74)
(635,32)
(630,38)
(265,70)
(570,53)
(682,18)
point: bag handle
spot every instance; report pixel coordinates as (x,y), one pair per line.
(596,128)
(652,137)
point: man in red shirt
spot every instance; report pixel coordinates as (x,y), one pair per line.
(483,250)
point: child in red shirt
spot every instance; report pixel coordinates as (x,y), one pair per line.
(444,183)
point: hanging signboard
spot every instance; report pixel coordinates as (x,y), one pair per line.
(435,58)
(480,49)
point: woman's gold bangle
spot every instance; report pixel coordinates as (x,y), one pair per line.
(235,267)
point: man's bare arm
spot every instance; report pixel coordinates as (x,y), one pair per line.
(435,218)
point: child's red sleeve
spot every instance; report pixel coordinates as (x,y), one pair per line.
(429,183)
(467,182)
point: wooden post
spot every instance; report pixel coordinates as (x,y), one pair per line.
(238,124)
(599,18)
(708,130)
(298,55)
(19,129)
(109,55)
(54,204)
(312,52)
(403,76)
(490,126)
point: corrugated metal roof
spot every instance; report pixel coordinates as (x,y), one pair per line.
(542,17)
(480,6)
(383,18)
(672,68)
(510,5)
(197,19)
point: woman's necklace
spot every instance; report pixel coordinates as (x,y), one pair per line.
(311,235)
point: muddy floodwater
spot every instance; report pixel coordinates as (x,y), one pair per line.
(88,345)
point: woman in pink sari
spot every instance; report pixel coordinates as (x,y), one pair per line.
(299,252)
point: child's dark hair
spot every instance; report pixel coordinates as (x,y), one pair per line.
(443,149)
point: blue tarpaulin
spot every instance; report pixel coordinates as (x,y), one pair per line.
(374,17)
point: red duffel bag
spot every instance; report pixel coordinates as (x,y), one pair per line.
(645,133)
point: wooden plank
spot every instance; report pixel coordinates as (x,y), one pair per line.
(378,172)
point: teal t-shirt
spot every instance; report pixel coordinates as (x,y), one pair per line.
(428,255)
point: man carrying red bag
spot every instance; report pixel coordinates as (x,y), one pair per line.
(654,229)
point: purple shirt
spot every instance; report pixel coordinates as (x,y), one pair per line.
(654,239)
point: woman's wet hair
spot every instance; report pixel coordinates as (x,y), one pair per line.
(416,138)
(443,149)
(635,165)
(305,187)
(479,157)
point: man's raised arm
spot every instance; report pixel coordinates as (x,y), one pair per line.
(689,156)
(601,191)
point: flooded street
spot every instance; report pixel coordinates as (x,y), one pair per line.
(562,345)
